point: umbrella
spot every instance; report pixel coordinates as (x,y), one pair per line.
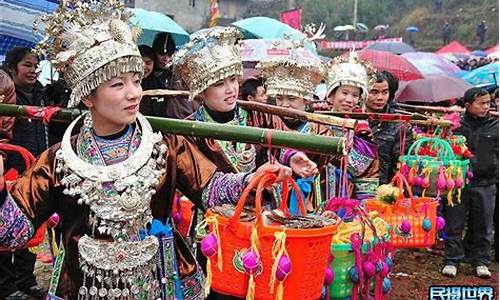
(412,29)
(361,27)
(349,27)
(153,22)
(430,63)
(394,47)
(264,49)
(381,27)
(267,28)
(386,61)
(431,89)
(16,20)
(483,76)
(454,48)
(491,50)
(479,53)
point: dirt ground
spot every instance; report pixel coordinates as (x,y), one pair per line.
(414,271)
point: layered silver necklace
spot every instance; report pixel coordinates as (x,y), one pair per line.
(126,266)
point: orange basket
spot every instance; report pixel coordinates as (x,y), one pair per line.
(419,212)
(39,236)
(307,249)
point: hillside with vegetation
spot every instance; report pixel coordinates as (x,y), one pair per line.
(463,15)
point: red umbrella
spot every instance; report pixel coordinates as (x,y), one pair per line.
(453,48)
(386,61)
(433,88)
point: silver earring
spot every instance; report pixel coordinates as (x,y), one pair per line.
(87,121)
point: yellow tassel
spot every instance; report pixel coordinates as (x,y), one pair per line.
(212,220)
(55,249)
(34,250)
(280,291)
(278,250)
(459,175)
(208,282)
(251,289)
(449,173)
(254,240)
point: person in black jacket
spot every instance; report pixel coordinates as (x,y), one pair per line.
(478,199)
(387,135)
(17,281)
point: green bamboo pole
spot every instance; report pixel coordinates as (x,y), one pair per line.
(252,135)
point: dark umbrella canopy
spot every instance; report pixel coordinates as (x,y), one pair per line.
(394,47)
(431,89)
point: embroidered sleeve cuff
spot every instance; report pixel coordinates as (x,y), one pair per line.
(15,228)
(224,188)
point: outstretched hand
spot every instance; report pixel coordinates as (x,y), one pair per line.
(302,165)
(282,172)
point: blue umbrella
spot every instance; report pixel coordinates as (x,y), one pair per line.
(16,22)
(483,76)
(267,28)
(394,47)
(479,53)
(153,22)
(412,29)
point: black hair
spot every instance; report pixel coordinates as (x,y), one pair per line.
(147,51)
(164,44)
(472,93)
(249,87)
(393,83)
(14,56)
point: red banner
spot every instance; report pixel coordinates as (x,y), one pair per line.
(292,17)
(355,44)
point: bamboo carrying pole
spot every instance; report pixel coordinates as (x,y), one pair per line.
(252,135)
(297,114)
(395,118)
(271,109)
(438,109)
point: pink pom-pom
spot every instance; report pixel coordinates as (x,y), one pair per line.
(250,262)
(405,226)
(284,268)
(53,220)
(459,182)
(209,245)
(426,183)
(470,175)
(385,270)
(441,181)
(418,181)
(329,276)
(440,223)
(177,218)
(450,184)
(369,268)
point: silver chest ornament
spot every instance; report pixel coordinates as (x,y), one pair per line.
(126,267)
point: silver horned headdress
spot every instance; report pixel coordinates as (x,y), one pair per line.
(91,43)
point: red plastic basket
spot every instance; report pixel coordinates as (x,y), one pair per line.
(307,249)
(28,158)
(419,212)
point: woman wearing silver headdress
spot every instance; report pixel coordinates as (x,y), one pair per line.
(115,175)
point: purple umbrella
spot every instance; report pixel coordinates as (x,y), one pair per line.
(433,88)
(430,63)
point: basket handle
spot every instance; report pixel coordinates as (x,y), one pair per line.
(262,181)
(25,154)
(402,183)
(444,146)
